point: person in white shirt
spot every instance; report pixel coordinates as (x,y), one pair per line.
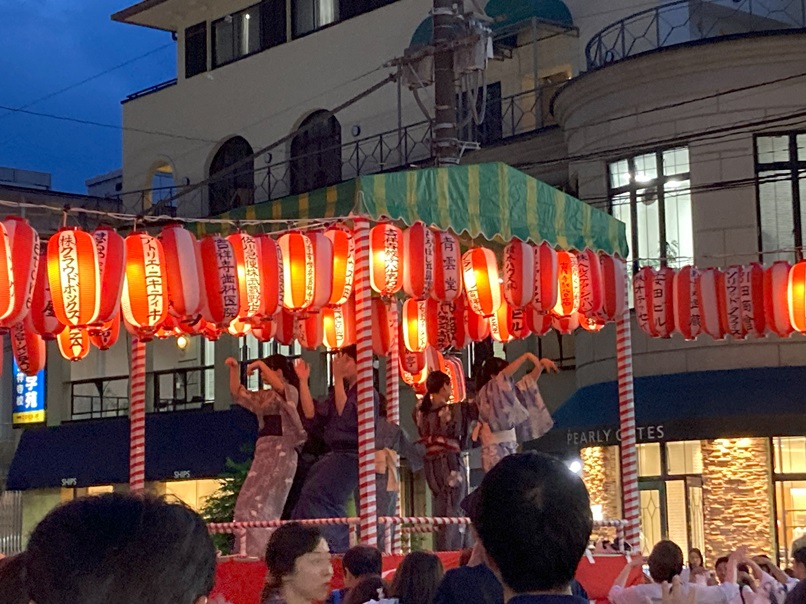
(666,563)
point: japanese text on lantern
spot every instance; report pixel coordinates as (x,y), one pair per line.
(446,325)
(585,287)
(392,256)
(510,263)
(68,268)
(471,286)
(227,276)
(101,243)
(21,354)
(734,300)
(153,278)
(428,248)
(659,301)
(251,274)
(449,268)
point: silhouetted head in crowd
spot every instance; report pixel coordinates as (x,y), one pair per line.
(360,561)
(417,578)
(298,561)
(119,548)
(534,520)
(283,366)
(799,563)
(665,561)
(489,369)
(370,587)
(437,389)
(12,580)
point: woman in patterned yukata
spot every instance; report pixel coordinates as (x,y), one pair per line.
(510,412)
(280,431)
(443,429)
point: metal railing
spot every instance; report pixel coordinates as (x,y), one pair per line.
(10,523)
(688,21)
(99,398)
(182,389)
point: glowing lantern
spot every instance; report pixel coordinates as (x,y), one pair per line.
(567,285)
(181,264)
(591,283)
(508,324)
(111,250)
(482,285)
(447,267)
(539,323)
(210,331)
(591,324)
(42,319)
(419,324)
(271,278)
(660,306)
(343,264)
(641,284)
(565,325)
(25,250)
(418,261)
(446,325)
(416,380)
(284,332)
(239,328)
(264,331)
(686,303)
(711,295)
(145,292)
(752,291)
(385,244)
(796,294)
(412,362)
(107,336)
(299,271)
(733,302)
(220,280)
(168,327)
(478,328)
(455,370)
(776,298)
(519,274)
(339,325)
(434,361)
(517,323)
(248,268)
(614,278)
(545,278)
(6,273)
(381,332)
(323,270)
(74,343)
(29,349)
(74,277)
(460,338)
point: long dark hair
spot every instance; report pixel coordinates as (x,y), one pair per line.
(367,590)
(287,543)
(489,369)
(279,362)
(435,382)
(417,578)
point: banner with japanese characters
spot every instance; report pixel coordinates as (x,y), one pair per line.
(29,397)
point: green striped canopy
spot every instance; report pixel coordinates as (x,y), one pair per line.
(493,201)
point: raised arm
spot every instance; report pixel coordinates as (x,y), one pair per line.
(303,371)
(515,365)
(240,394)
(635,562)
(339,393)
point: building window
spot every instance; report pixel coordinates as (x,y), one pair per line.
(236,35)
(781,177)
(193,493)
(650,193)
(237,188)
(310,15)
(316,153)
(352,8)
(789,465)
(196,49)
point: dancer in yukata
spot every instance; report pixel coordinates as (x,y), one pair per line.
(510,412)
(334,478)
(443,430)
(280,431)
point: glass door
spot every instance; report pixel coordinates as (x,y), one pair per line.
(653,513)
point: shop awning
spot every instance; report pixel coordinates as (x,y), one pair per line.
(179,445)
(490,201)
(705,405)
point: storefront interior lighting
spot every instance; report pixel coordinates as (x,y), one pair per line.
(575,466)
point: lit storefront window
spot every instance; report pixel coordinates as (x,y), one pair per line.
(790,491)
(192,492)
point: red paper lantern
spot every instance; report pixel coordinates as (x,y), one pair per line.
(418,261)
(686,303)
(752,291)
(565,325)
(381,332)
(184,289)
(323,263)
(271,278)
(482,284)
(419,324)
(641,285)
(519,274)
(456,371)
(107,336)
(434,361)
(338,323)
(711,295)
(210,331)
(539,323)
(478,327)
(446,325)
(343,264)
(145,289)
(661,302)
(42,319)
(111,250)
(264,331)
(567,285)
(591,324)
(29,349)
(460,337)
(500,327)
(385,245)
(447,267)
(220,280)
(25,250)
(74,343)
(796,296)
(412,362)
(284,333)
(776,298)
(238,328)
(733,302)
(74,277)
(417,379)
(248,268)
(545,278)
(299,270)
(614,278)
(591,283)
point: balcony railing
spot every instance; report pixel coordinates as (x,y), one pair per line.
(689,21)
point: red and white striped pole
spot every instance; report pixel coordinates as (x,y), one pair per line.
(393,407)
(366,402)
(629,451)
(137,417)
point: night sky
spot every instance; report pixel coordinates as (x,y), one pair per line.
(48,45)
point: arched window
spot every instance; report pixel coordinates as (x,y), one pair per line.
(316,153)
(235,189)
